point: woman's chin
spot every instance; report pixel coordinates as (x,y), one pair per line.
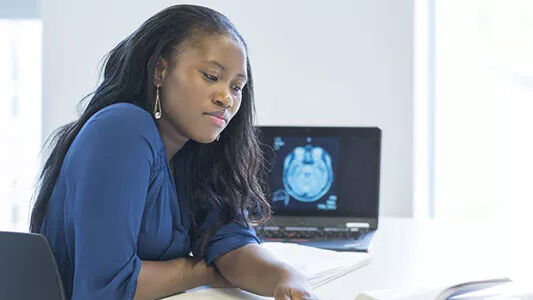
(206,140)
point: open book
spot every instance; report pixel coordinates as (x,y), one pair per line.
(432,293)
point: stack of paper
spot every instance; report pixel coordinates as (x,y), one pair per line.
(320,266)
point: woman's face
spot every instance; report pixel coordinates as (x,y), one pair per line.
(207,79)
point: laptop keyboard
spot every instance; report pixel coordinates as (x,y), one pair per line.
(307,233)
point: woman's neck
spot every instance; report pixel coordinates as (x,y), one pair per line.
(172,139)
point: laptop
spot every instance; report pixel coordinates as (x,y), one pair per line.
(323,186)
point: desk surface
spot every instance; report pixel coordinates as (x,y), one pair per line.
(420,253)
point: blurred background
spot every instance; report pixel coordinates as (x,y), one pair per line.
(449,82)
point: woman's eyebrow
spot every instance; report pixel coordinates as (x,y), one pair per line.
(214,62)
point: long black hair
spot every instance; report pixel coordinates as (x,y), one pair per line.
(226,175)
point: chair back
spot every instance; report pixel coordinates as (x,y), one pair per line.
(28,268)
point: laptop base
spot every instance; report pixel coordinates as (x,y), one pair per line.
(362,244)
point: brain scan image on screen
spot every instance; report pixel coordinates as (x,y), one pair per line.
(319,171)
(307,173)
(303,173)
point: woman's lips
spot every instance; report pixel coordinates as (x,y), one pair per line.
(216,120)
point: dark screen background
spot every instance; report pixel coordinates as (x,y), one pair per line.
(355,154)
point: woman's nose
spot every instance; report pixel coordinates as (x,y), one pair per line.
(224,101)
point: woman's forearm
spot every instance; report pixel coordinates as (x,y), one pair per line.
(254,269)
(163,278)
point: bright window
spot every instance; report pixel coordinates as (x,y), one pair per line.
(20,119)
(481,137)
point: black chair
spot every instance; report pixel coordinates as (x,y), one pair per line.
(28,269)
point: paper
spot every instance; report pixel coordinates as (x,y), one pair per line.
(320,266)
(464,289)
(510,290)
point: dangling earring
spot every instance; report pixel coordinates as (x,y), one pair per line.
(218,137)
(157,105)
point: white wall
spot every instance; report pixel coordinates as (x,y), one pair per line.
(314,62)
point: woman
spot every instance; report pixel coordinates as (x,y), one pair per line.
(163,162)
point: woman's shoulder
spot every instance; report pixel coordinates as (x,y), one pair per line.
(124,116)
(124,112)
(122,122)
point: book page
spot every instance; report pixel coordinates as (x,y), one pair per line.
(429,293)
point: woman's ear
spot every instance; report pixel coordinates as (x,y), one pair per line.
(160,71)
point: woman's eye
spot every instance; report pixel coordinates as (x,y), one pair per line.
(237,89)
(212,78)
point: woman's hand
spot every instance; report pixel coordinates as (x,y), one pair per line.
(294,287)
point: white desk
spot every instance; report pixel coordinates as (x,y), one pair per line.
(413,253)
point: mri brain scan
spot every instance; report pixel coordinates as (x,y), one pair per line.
(307,174)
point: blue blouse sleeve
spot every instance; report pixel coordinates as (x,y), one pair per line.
(108,176)
(227,238)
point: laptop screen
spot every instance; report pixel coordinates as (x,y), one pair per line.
(322,171)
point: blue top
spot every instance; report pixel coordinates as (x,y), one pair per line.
(115,204)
